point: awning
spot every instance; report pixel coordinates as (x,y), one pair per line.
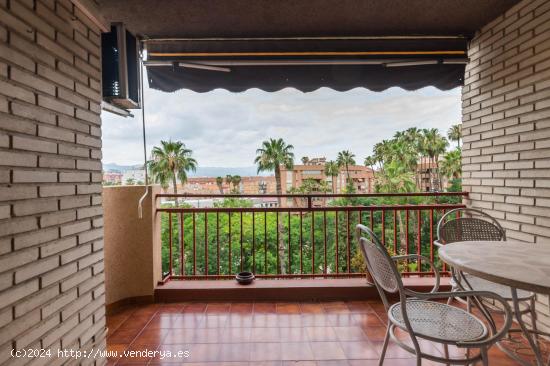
(306,64)
(204,28)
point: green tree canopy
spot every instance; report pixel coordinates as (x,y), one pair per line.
(332,170)
(170,162)
(344,159)
(455,133)
(451,165)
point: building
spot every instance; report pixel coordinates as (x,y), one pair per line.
(112,178)
(135,175)
(428,179)
(361,176)
(248,185)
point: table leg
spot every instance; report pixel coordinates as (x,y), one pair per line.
(532,343)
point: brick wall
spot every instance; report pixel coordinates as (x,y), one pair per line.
(506,122)
(51,246)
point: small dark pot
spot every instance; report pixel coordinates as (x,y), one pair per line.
(245,278)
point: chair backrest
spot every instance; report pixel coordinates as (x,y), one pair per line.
(468,224)
(379,263)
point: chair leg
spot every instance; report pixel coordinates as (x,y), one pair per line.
(384,347)
(484,357)
(469,305)
(446,352)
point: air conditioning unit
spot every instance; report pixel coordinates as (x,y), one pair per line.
(120,61)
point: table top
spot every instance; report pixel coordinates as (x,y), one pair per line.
(521,265)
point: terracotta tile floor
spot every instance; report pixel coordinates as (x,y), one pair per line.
(274,334)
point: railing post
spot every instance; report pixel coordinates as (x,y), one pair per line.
(170,244)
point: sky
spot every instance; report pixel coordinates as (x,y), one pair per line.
(224,129)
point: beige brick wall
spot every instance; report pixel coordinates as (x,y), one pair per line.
(506,123)
(51,236)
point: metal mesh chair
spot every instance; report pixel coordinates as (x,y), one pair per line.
(467,224)
(422,318)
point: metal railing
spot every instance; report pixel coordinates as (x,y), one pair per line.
(299,241)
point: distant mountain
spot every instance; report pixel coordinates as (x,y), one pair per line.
(205,171)
(121,168)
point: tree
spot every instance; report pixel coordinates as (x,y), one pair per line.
(344,159)
(273,154)
(219,183)
(451,165)
(236,180)
(434,145)
(305,160)
(403,151)
(170,162)
(414,136)
(130,181)
(382,152)
(370,162)
(455,134)
(332,170)
(229,181)
(396,178)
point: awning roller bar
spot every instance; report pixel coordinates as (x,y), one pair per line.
(328,38)
(386,62)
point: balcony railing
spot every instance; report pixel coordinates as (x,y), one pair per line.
(312,237)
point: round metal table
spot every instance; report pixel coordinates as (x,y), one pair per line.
(516,264)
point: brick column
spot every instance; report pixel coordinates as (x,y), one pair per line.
(51,224)
(506,123)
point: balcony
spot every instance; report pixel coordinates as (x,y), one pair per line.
(193,253)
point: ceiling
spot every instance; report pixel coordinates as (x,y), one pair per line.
(289,18)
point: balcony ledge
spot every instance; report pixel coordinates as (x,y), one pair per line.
(281,289)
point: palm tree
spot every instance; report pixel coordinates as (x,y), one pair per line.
(434,144)
(451,165)
(370,161)
(344,160)
(332,170)
(323,186)
(305,160)
(455,134)
(382,152)
(229,180)
(415,138)
(404,152)
(273,154)
(169,163)
(236,180)
(219,183)
(396,178)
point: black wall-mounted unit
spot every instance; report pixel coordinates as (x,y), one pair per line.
(120,59)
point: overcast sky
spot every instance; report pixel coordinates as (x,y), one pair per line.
(224,129)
